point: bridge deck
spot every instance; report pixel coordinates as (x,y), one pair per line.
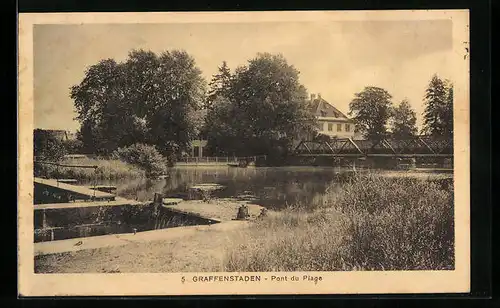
(81,190)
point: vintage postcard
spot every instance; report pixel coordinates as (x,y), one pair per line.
(243,153)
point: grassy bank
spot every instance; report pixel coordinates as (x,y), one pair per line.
(372,223)
(106,169)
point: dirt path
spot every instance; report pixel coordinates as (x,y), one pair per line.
(203,250)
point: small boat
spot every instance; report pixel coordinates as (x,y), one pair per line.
(240,164)
(171,201)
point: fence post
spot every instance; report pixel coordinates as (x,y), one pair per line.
(158,199)
(44,219)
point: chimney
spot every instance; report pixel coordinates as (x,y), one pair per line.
(313,96)
(319,96)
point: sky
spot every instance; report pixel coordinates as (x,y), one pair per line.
(335,59)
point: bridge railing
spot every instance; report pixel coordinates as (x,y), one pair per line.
(220,159)
(422,145)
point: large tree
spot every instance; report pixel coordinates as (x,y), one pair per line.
(371,110)
(148,98)
(404,121)
(448,114)
(220,85)
(263,110)
(438,113)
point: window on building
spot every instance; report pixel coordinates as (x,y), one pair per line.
(339,127)
(347,127)
(330,127)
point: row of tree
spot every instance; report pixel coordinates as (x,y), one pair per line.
(376,116)
(260,108)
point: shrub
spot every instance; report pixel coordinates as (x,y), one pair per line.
(371,223)
(46,146)
(144,156)
(74,146)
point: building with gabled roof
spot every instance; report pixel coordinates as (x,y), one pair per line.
(331,121)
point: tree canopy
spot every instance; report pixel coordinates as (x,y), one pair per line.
(260,110)
(371,110)
(148,98)
(438,114)
(404,120)
(220,84)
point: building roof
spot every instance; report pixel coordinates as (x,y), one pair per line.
(322,108)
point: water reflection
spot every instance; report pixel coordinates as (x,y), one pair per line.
(269,187)
(274,188)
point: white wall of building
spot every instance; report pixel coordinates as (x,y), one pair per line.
(336,128)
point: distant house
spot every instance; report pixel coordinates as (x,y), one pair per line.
(197,145)
(331,121)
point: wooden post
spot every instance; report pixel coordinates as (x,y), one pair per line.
(44,219)
(158,199)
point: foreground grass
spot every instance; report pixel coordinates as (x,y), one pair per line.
(369,223)
(372,223)
(106,169)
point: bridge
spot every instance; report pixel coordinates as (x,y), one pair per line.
(416,147)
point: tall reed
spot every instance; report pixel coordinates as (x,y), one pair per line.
(369,223)
(106,170)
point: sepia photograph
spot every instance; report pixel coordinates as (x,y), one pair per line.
(244,153)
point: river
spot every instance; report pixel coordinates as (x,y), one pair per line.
(273,188)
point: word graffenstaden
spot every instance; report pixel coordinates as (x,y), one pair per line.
(232,278)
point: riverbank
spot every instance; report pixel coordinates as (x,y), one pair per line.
(106,169)
(183,249)
(370,223)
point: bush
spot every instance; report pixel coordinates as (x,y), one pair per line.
(73,146)
(46,146)
(144,156)
(371,223)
